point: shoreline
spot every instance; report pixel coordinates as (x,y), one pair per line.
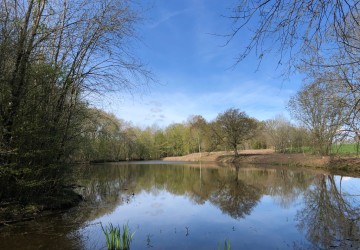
(269,157)
(11,213)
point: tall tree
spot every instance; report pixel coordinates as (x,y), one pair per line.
(234,127)
(322,109)
(324,35)
(346,76)
(198,126)
(51,54)
(176,139)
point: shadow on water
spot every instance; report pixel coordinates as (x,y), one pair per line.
(196,206)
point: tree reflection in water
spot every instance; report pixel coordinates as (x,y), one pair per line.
(234,196)
(325,213)
(234,190)
(330,218)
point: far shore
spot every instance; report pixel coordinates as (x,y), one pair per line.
(270,157)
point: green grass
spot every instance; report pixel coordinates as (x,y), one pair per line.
(115,239)
(345,149)
(349,149)
(305,149)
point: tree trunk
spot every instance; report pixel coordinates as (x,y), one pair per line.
(235,151)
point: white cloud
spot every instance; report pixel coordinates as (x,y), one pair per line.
(262,101)
(165,16)
(193,66)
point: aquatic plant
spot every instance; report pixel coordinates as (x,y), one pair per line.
(226,245)
(148,241)
(115,240)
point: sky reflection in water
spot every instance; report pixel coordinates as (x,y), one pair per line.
(253,208)
(166,221)
(174,206)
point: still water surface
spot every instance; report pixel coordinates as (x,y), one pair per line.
(193,206)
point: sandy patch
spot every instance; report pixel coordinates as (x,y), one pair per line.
(258,156)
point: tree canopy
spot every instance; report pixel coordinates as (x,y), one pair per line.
(322,109)
(235,127)
(52,53)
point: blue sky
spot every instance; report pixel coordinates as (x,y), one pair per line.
(194,68)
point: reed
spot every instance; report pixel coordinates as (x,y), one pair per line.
(226,245)
(115,239)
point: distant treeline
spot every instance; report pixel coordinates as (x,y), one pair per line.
(107,138)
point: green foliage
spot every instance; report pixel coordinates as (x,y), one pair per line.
(115,240)
(45,67)
(227,245)
(176,137)
(106,138)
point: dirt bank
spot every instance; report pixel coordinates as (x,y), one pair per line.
(269,157)
(259,156)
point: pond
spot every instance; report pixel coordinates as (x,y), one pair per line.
(200,206)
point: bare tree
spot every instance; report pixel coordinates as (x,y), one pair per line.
(322,35)
(294,27)
(283,135)
(347,79)
(321,108)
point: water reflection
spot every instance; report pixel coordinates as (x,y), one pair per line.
(236,190)
(331,216)
(176,206)
(234,196)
